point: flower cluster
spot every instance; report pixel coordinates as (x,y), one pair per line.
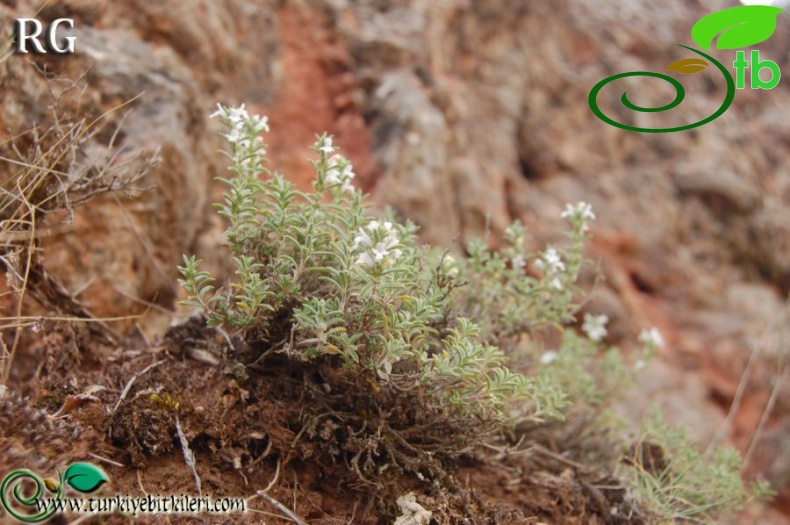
(514,234)
(595,327)
(324,145)
(244,136)
(339,172)
(651,338)
(379,244)
(336,169)
(550,263)
(450,266)
(549,357)
(651,341)
(579,215)
(242,126)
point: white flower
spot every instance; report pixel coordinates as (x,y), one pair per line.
(340,172)
(519,262)
(595,326)
(550,263)
(378,244)
(325,146)
(223,111)
(450,266)
(362,239)
(380,251)
(580,212)
(258,124)
(243,129)
(234,117)
(219,113)
(549,357)
(235,135)
(389,242)
(364,259)
(640,365)
(553,261)
(385,226)
(237,115)
(651,338)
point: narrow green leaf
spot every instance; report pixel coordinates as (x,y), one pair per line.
(739,26)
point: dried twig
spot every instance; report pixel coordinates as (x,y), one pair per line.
(767,411)
(757,352)
(274,479)
(282,508)
(140,482)
(131,382)
(189,456)
(106,460)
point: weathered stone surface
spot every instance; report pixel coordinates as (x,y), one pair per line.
(723,191)
(121,252)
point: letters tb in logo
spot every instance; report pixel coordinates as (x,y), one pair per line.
(27,30)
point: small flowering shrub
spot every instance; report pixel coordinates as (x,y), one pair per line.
(416,332)
(360,289)
(504,300)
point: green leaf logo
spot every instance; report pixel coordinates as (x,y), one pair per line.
(85,477)
(687,66)
(739,26)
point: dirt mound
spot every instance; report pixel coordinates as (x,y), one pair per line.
(328,455)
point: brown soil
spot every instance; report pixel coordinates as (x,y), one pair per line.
(280,422)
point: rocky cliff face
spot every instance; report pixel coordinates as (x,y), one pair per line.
(463,115)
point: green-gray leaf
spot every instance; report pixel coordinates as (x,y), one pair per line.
(85,477)
(739,26)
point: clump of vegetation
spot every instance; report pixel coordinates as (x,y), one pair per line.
(360,289)
(47,172)
(671,478)
(402,349)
